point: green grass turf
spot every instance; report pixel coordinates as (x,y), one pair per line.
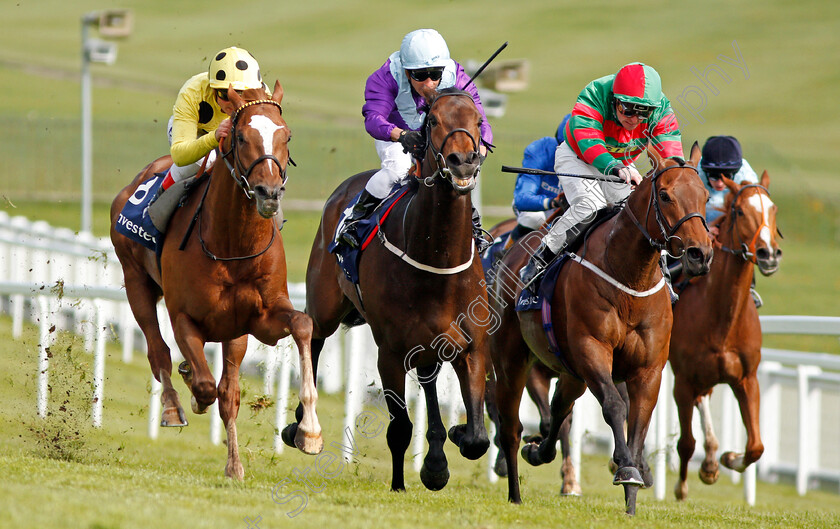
(60,472)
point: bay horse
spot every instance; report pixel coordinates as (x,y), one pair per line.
(420,288)
(716,338)
(230,279)
(607,330)
(538,386)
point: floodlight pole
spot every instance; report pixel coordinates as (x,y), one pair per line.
(87,185)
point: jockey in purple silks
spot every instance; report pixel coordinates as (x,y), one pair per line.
(396,97)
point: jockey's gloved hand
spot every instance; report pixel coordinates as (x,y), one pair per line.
(629,174)
(412,143)
(556,202)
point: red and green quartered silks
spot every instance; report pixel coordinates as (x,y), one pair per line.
(596,136)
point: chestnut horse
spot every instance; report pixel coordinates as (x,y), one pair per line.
(607,330)
(420,288)
(230,279)
(716,338)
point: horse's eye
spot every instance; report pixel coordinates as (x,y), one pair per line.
(739,212)
(240,138)
(663,196)
(433,121)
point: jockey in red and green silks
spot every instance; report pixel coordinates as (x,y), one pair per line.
(613,120)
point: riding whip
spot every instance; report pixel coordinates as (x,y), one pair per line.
(483,66)
(540,172)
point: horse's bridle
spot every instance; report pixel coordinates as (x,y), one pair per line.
(242,177)
(746,251)
(442,169)
(666,230)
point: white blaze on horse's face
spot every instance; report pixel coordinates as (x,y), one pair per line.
(762,204)
(266,128)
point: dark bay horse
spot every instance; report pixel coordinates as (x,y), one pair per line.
(716,338)
(423,294)
(611,319)
(230,279)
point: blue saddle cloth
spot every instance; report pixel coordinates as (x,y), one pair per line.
(491,255)
(134,221)
(365,230)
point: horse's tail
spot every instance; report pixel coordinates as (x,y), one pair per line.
(353,319)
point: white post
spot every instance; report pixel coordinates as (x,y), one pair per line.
(356,341)
(806,459)
(87,186)
(127,328)
(43,357)
(727,433)
(154,408)
(270,363)
(769,417)
(492,454)
(215,418)
(99,362)
(417,445)
(283,378)
(749,485)
(661,424)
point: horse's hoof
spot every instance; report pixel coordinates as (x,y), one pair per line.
(197,408)
(308,443)
(572,493)
(501,468)
(185,371)
(681,490)
(434,480)
(474,448)
(628,476)
(235,471)
(531,453)
(289,433)
(173,416)
(457,433)
(709,475)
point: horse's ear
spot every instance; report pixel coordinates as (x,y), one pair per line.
(696,153)
(277,94)
(731,185)
(234,97)
(655,158)
(765,179)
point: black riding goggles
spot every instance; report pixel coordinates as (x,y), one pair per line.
(426,73)
(222,94)
(632,109)
(716,174)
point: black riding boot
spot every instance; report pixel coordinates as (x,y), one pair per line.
(481,241)
(537,264)
(361,210)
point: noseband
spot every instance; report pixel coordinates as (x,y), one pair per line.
(242,176)
(442,169)
(746,251)
(664,228)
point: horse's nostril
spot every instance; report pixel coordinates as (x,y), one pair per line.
(694,254)
(778,253)
(455,158)
(762,253)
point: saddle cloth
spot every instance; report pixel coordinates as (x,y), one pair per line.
(134,221)
(365,230)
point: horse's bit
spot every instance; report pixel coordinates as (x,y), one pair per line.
(747,252)
(666,230)
(443,170)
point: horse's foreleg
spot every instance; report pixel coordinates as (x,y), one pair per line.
(392,374)
(644,388)
(615,414)
(308,435)
(510,383)
(571,487)
(709,469)
(568,389)
(472,439)
(290,431)
(143,295)
(747,393)
(196,373)
(500,466)
(685,445)
(232,353)
(435,472)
